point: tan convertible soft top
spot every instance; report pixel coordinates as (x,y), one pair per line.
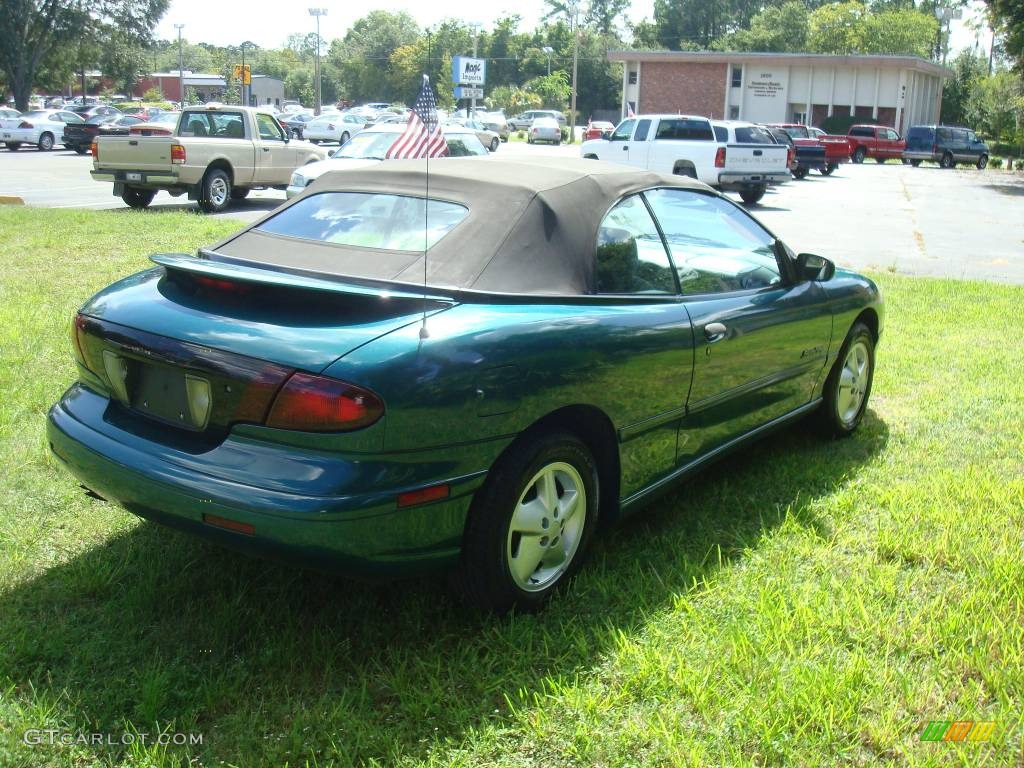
(532,226)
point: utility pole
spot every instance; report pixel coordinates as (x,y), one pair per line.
(575,9)
(548,50)
(241,85)
(475,28)
(317,13)
(181,74)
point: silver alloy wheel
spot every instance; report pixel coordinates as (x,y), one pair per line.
(546,527)
(853,382)
(218,191)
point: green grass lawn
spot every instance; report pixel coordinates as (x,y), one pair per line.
(807,603)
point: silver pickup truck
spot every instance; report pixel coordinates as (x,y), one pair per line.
(217,154)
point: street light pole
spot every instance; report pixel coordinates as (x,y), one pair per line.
(181,74)
(317,13)
(575,9)
(548,50)
(241,86)
(475,28)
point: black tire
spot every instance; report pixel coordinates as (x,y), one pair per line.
(82,150)
(829,418)
(982,162)
(13,145)
(484,576)
(752,196)
(800,172)
(828,169)
(138,198)
(344,137)
(859,154)
(239,193)
(215,191)
(947,160)
(915,163)
(495,142)
(880,160)
(314,141)
(45,142)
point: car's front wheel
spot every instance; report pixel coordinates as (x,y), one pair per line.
(13,145)
(215,191)
(343,139)
(494,144)
(530,524)
(848,385)
(45,142)
(982,162)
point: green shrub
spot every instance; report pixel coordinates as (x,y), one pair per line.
(520,134)
(995,162)
(1018,165)
(565,134)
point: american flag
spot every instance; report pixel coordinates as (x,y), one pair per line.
(423,136)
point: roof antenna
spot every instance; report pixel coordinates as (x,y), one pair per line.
(427,96)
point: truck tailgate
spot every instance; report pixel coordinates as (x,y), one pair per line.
(134,153)
(756,158)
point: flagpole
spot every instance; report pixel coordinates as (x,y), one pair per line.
(424,333)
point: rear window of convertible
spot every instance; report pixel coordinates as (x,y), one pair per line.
(388,222)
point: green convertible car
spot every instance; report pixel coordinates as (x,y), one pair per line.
(369,382)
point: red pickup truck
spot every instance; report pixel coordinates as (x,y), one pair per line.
(877,141)
(837,149)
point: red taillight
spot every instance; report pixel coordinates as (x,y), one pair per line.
(424,495)
(790,155)
(318,404)
(95,150)
(177,153)
(76,342)
(720,158)
(25,124)
(224,286)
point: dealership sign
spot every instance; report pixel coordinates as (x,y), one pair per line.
(467,71)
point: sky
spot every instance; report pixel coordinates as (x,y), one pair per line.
(268,24)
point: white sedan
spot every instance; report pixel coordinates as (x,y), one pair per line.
(544,129)
(43,128)
(370,147)
(334,127)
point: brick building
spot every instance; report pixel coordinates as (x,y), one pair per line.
(783,87)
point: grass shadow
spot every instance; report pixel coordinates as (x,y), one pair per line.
(273,663)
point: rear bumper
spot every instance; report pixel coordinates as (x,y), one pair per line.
(737,181)
(144,178)
(910,154)
(362,533)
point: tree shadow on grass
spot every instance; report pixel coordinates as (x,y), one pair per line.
(273,663)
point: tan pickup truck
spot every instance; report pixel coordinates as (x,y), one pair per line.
(217,154)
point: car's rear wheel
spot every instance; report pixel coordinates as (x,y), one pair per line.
(530,525)
(982,162)
(880,160)
(13,145)
(859,154)
(138,198)
(848,385)
(915,163)
(215,191)
(947,160)
(45,142)
(800,173)
(82,150)
(343,139)
(828,169)
(494,144)
(751,196)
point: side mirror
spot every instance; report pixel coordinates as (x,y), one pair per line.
(606,135)
(812,267)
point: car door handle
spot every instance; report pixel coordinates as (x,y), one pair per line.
(266,149)
(714,332)
(625,147)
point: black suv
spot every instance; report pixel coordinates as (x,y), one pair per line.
(945,145)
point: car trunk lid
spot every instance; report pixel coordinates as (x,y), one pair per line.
(134,153)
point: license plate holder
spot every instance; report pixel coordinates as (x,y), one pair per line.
(162,393)
(133,177)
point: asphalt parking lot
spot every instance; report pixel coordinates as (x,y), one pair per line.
(919,221)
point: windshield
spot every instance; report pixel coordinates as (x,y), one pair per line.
(367,146)
(387,222)
(796,133)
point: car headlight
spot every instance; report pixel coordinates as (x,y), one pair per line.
(298,180)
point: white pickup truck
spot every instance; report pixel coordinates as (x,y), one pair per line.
(686,145)
(216,154)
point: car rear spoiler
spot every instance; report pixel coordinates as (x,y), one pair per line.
(211,264)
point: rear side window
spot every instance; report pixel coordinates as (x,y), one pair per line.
(716,247)
(959,135)
(685,129)
(630,257)
(721,134)
(862,131)
(642,129)
(945,134)
(219,125)
(753,135)
(920,134)
(386,222)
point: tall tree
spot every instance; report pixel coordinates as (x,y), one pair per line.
(1008,18)
(34,30)
(781,28)
(968,67)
